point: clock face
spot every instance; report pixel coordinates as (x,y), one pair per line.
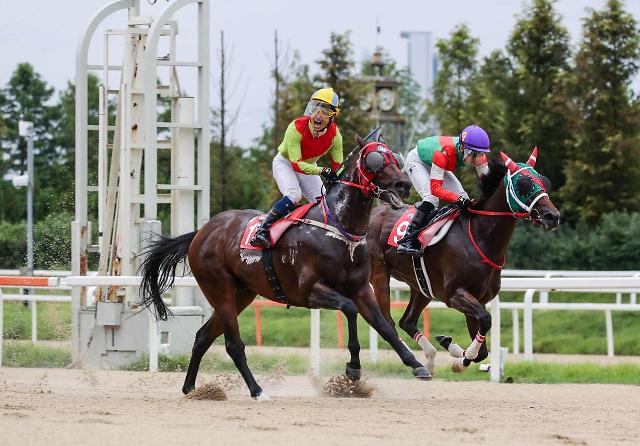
(366,102)
(386,99)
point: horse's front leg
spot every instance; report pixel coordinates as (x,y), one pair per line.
(368,308)
(324,297)
(467,304)
(409,323)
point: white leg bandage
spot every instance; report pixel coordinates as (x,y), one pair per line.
(429,350)
(455,350)
(473,350)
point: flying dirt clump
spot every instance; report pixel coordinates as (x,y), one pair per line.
(208,391)
(342,387)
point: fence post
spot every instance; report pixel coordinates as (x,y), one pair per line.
(1,324)
(315,342)
(34,320)
(373,345)
(426,324)
(528,324)
(495,340)
(153,343)
(256,308)
(609,324)
(516,331)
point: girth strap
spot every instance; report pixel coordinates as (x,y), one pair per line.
(267,260)
(423,282)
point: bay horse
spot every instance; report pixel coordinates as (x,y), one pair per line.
(316,267)
(459,267)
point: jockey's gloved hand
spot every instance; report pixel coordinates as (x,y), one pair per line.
(328,175)
(464,203)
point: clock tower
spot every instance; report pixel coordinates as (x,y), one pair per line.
(381,102)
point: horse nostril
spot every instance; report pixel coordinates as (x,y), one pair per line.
(551,218)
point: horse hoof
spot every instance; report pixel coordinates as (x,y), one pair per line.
(422,373)
(188,389)
(353,374)
(444,341)
(262,397)
(458,366)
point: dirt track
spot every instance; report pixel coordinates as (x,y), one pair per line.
(56,407)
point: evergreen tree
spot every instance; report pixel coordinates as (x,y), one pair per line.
(603,173)
(338,71)
(453,84)
(25,98)
(539,52)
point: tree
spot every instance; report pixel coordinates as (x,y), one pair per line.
(603,173)
(538,50)
(452,86)
(337,70)
(25,98)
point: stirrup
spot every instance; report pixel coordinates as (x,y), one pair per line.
(261,238)
(411,249)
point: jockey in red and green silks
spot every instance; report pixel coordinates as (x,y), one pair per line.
(431,166)
(294,167)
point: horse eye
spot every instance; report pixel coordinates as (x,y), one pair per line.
(374,162)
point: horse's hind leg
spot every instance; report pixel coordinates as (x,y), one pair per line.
(409,323)
(466,303)
(206,335)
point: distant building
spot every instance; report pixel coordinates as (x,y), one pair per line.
(422,59)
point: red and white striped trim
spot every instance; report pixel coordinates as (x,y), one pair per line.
(480,338)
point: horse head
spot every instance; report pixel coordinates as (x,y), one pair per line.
(527,191)
(377,171)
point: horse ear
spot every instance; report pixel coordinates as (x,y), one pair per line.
(508,162)
(546,182)
(381,138)
(533,157)
(361,142)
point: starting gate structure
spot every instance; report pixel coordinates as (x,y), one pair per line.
(152,114)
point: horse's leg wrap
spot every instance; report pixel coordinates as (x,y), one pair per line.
(429,350)
(471,352)
(454,349)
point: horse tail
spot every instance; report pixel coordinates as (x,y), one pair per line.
(159,270)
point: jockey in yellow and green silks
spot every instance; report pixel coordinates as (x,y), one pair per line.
(306,139)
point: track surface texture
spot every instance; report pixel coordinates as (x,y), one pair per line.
(81,407)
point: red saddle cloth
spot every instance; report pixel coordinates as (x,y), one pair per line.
(277,229)
(425,236)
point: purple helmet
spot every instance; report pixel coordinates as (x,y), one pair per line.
(475,138)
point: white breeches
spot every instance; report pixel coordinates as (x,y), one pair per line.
(420,175)
(294,184)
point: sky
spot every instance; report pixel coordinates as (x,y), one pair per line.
(45,33)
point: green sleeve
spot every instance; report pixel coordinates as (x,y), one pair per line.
(336,152)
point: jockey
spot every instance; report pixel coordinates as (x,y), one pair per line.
(430,167)
(294,167)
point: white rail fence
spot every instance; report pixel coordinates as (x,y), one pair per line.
(617,282)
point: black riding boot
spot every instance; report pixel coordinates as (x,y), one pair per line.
(280,208)
(409,244)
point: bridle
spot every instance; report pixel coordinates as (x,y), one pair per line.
(367,173)
(510,193)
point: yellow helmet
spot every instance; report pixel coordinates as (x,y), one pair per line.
(326,98)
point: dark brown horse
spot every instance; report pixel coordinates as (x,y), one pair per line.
(317,268)
(464,267)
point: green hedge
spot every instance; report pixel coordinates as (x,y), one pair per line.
(612,244)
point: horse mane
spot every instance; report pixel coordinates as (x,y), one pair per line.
(490,182)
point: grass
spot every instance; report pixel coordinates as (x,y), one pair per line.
(565,332)
(520,372)
(17,354)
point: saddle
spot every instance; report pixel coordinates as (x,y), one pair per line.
(277,229)
(432,231)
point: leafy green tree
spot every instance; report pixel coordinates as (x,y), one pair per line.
(538,51)
(337,70)
(26,97)
(453,84)
(603,173)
